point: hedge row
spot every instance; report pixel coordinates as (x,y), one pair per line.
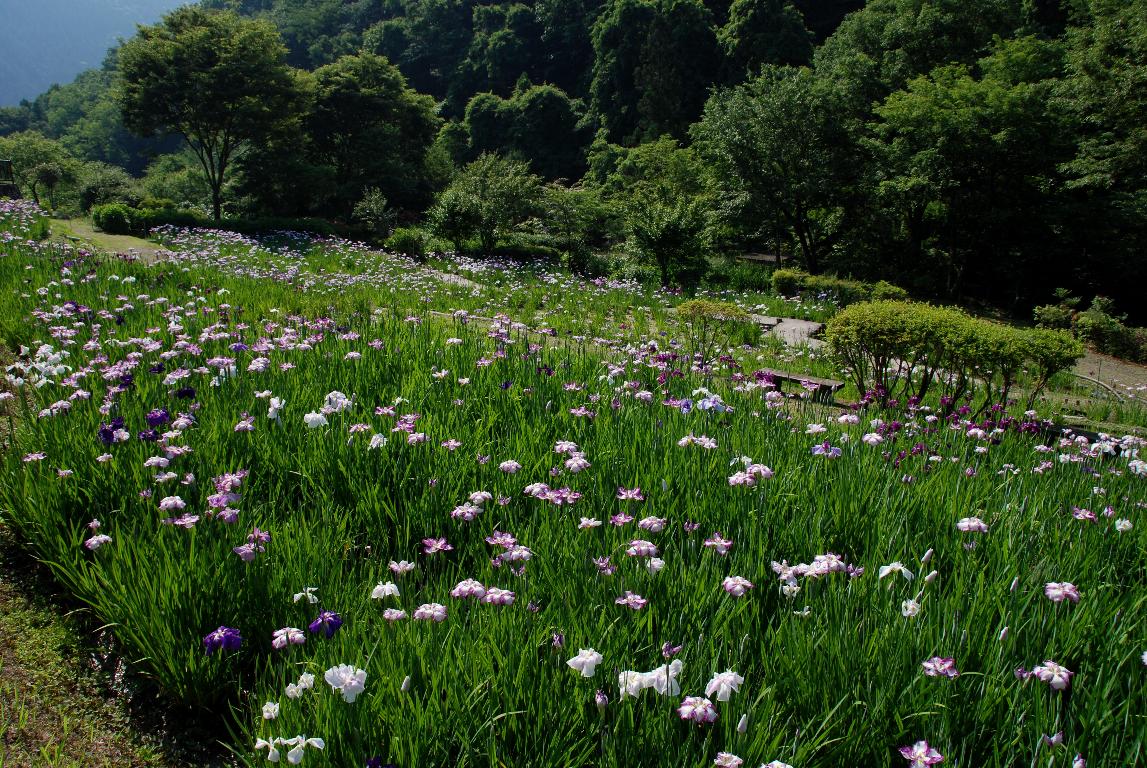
(791,282)
(901,349)
(120,219)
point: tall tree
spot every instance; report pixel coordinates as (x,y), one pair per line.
(654,62)
(967,160)
(1105,94)
(780,151)
(880,48)
(218,80)
(764,32)
(370,130)
(34,158)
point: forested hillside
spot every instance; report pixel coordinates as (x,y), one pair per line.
(964,149)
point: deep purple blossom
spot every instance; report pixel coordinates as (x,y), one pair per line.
(158,417)
(226,638)
(328,622)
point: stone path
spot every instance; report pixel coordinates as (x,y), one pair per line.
(792,331)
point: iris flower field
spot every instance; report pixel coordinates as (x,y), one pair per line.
(369,512)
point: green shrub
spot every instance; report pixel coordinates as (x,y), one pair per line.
(265,224)
(156,204)
(114,218)
(146,219)
(409,241)
(526,249)
(373,213)
(740,275)
(788,282)
(844,291)
(673,235)
(883,290)
(791,282)
(715,324)
(1137,343)
(489,199)
(102,184)
(1057,316)
(899,349)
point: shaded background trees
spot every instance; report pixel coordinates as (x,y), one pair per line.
(984,150)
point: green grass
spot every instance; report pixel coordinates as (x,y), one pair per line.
(831,666)
(64,697)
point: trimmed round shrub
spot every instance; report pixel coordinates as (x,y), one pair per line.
(409,241)
(113,218)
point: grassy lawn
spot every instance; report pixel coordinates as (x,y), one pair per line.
(70,230)
(64,699)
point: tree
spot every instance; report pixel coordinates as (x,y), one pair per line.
(671,233)
(968,163)
(428,43)
(218,80)
(539,124)
(664,193)
(370,130)
(654,62)
(47,176)
(567,37)
(879,48)
(780,150)
(490,198)
(39,163)
(764,32)
(576,219)
(1105,96)
(680,61)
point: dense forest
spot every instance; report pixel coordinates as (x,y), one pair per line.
(986,150)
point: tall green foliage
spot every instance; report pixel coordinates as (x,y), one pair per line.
(654,63)
(216,79)
(962,160)
(780,152)
(368,129)
(489,199)
(540,124)
(764,32)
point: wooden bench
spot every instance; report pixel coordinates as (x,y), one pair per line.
(822,390)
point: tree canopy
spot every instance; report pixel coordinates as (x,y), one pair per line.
(215,78)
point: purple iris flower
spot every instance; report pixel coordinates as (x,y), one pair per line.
(185,393)
(107,431)
(328,622)
(158,417)
(826,450)
(226,638)
(149,435)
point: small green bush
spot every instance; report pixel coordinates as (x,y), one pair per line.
(409,241)
(114,218)
(844,291)
(788,282)
(791,282)
(1055,316)
(715,324)
(739,275)
(156,204)
(146,219)
(883,290)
